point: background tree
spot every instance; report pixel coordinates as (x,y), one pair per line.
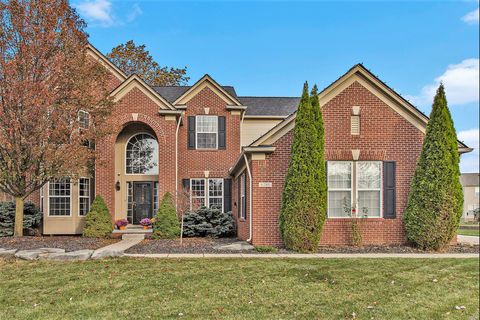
(435,202)
(46,78)
(304,195)
(133,59)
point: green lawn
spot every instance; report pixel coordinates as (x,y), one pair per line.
(467,232)
(240,289)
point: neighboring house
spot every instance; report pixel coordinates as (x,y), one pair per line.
(232,152)
(471,194)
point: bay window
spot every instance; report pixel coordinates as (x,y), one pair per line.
(59,197)
(83,196)
(206,192)
(354,185)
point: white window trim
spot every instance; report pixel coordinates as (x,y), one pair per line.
(360,214)
(42,198)
(48,202)
(88,197)
(197,132)
(340,189)
(206,197)
(243,195)
(125,156)
(78,119)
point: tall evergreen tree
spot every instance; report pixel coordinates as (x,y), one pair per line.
(304,194)
(436,198)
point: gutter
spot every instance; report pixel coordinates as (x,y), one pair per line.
(250,215)
(176,159)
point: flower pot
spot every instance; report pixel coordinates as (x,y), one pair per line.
(122,227)
(146,227)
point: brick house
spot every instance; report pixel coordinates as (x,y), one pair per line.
(224,150)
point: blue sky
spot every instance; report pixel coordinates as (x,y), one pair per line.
(269,48)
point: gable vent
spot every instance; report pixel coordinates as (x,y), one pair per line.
(355,125)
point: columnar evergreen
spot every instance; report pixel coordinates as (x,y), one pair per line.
(304,195)
(436,198)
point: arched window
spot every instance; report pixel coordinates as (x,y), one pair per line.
(141,155)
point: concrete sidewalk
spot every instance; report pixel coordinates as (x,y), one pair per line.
(309,256)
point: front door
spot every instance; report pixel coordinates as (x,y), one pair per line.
(142,201)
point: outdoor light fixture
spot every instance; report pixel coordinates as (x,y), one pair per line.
(117,185)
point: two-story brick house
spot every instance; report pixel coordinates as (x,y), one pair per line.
(232,152)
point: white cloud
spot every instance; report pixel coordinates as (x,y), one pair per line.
(136,11)
(97,11)
(461,83)
(470,162)
(471,17)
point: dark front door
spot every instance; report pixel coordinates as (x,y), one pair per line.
(142,201)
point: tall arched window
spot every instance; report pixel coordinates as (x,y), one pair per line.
(141,155)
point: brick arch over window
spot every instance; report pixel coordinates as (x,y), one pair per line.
(105,175)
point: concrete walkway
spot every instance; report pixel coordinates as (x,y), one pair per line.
(308,256)
(472,240)
(117,249)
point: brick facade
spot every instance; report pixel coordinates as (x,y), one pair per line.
(385,135)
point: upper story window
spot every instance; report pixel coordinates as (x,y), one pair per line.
(207,132)
(354,185)
(59,197)
(83,119)
(141,156)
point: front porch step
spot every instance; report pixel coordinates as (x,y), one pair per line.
(132,230)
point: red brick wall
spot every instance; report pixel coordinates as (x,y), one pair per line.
(193,163)
(385,135)
(136,102)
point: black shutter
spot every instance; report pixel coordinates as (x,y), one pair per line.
(222,139)
(186,184)
(191,132)
(389,189)
(227,195)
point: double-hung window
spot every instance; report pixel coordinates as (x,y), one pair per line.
(206,132)
(354,185)
(59,197)
(242,200)
(206,192)
(83,196)
(83,119)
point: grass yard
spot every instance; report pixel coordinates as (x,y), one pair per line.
(240,289)
(468,232)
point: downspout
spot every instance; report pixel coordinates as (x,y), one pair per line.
(176,160)
(241,128)
(250,183)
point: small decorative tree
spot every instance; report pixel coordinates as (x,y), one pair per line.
(98,222)
(167,225)
(183,208)
(304,195)
(435,202)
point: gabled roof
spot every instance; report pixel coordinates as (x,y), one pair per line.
(135,81)
(172,93)
(358,73)
(92,51)
(270,106)
(207,81)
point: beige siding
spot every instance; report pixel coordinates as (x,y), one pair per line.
(471,201)
(252,129)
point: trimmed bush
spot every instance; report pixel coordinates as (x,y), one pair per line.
(166,225)
(207,222)
(31,218)
(98,222)
(304,203)
(435,202)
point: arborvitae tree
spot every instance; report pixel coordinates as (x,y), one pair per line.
(304,194)
(166,225)
(98,222)
(436,198)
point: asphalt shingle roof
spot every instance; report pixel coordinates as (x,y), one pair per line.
(172,93)
(270,106)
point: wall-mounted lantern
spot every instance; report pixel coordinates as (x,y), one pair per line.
(117,185)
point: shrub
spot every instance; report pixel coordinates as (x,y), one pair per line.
(304,202)
(435,202)
(265,249)
(166,225)
(31,218)
(207,222)
(98,222)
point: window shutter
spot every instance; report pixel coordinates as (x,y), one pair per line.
(191,132)
(227,195)
(186,184)
(221,133)
(389,189)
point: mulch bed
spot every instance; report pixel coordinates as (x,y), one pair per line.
(206,245)
(69,243)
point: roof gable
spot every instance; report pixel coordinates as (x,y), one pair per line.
(360,74)
(135,82)
(207,81)
(97,55)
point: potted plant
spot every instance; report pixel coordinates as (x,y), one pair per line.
(146,223)
(121,224)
